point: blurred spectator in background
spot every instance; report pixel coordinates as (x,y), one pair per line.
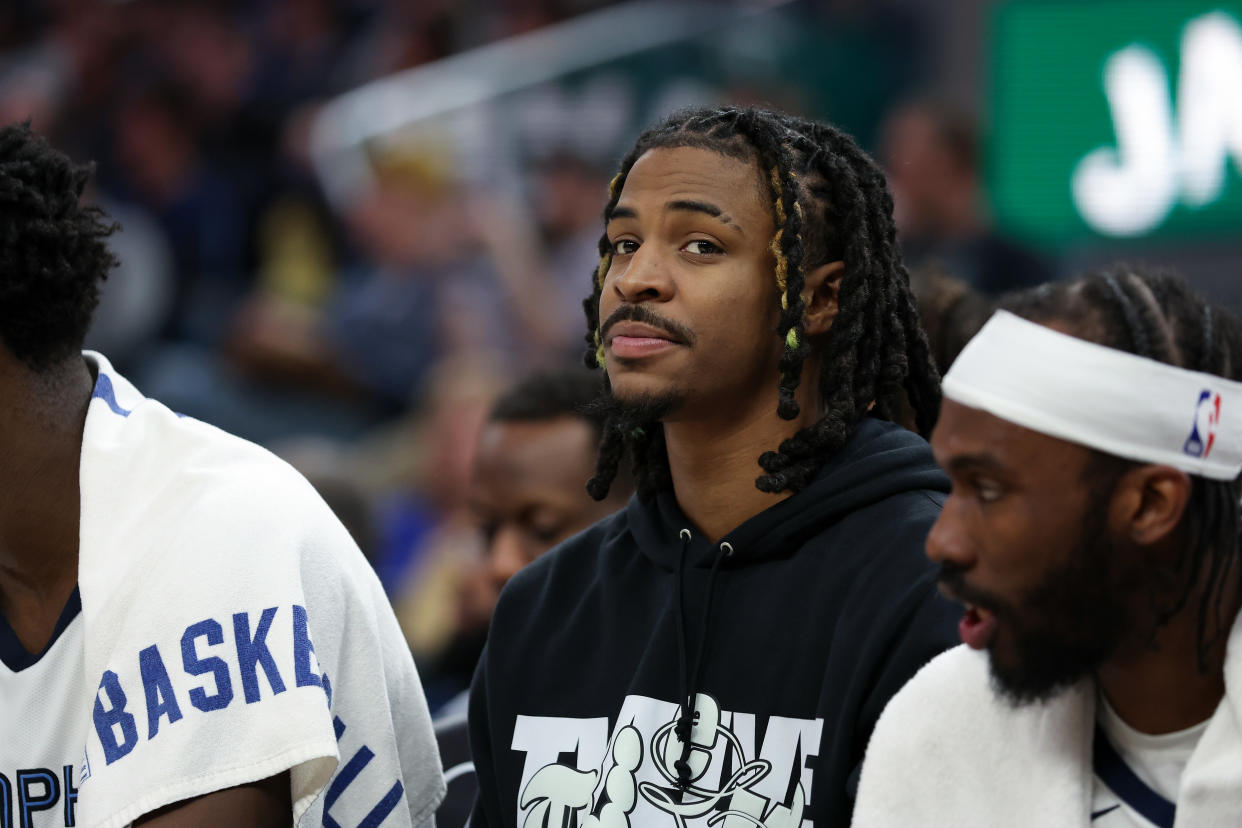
(951,311)
(428,531)
(200,207)
(544,248)
(527,493)
(930,151)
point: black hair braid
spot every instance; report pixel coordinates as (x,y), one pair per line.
(776,161)
(611,447)
(829,202)
(53,251)
(1156,314)
(1137,324)
(870,340)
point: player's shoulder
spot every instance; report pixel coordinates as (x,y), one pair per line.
(182,484)
(137,440)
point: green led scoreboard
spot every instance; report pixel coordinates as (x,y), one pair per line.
(1116,120)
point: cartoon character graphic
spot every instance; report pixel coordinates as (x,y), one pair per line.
(556,791)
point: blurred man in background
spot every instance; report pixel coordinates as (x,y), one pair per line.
(527,494)
(1092,534)
(930,151)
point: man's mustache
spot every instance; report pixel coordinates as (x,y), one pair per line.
(953,579)
(644,314)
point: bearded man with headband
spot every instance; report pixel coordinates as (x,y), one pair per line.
(1094,441)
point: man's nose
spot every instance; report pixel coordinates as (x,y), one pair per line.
(949,539)
(646,277)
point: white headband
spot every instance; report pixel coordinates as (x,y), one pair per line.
(1117,402)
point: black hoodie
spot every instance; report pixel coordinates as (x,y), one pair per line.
(791,633)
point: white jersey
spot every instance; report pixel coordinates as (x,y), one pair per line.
(230,631)
(41,749)
(1137,775)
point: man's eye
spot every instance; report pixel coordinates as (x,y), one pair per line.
(702,247)
(546,534)
(624,247)
(989,490)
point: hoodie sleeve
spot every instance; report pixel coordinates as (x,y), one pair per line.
(902,621)
(926,627)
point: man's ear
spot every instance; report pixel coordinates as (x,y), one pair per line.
(820,293)
(1149,503)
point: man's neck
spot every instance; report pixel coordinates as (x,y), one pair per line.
(714,463)
(1161,688)
(41,422)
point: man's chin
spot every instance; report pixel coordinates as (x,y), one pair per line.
(637,403)
(1037,675)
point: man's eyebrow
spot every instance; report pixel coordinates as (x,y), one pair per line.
(706,207)
(620,213)
(980,460)
(681,205)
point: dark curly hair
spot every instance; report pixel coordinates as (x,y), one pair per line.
(53,252)
(1155,314)
(830,202)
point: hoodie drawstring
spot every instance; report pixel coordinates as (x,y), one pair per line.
(690,680)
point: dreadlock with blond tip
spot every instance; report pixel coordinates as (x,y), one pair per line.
(830,203)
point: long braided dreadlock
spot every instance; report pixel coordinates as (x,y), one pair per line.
(1156,315)
(830,202)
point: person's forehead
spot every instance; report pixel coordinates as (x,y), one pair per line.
(965,433)
(666,175)
(554,452)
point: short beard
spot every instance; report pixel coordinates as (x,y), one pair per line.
(635,413)
(1066,627)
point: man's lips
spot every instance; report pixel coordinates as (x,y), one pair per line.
(630,340)
(977,626)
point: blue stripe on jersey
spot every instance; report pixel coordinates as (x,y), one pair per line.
(15,656)
(1116,774)
(104,391)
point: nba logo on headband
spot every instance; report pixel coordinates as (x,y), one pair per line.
(1103,398)
(1203,429)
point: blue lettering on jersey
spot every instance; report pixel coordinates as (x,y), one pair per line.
(161,701)
(28,801)
(106,720)
(253,653)
(302,649)
(346,774)
(71,798)
(37,789)
(6,802)
(116,725)
(215,665)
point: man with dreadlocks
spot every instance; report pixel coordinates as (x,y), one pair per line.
(1094,440)
(720,649)
(188,636)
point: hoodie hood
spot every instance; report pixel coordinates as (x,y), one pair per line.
(879,460)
